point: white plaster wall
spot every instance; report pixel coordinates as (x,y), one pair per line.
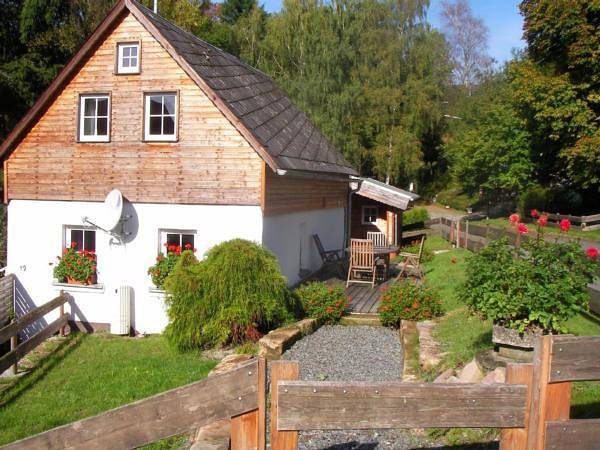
(35,239)
(289,236)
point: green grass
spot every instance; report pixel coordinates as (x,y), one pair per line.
(89,374)
(549,231)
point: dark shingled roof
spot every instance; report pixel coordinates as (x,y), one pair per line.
(262,107)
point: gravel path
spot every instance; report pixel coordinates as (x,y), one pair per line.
(353,353)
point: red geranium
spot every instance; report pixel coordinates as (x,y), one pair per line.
(565,225)
(514,218)
(592,252)
(543,221)
(522,228)
(534,213)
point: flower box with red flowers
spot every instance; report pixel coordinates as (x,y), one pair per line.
(165,262)
(76,266)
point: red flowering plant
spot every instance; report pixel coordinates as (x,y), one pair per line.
(165,263)
(408,300)
(320,301)
(76,266)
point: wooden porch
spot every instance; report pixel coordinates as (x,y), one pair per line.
(363,298)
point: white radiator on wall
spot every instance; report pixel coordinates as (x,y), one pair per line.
(125,299)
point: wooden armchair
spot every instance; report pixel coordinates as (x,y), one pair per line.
(362,262)
(328,256)
(378,238)
(412,262)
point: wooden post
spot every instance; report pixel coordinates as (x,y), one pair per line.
(282,370)
(13,344)
(548,401)
(466,234)
(62,313)
(248,430)
(516,438)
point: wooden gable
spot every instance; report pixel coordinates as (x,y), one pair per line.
(211,163)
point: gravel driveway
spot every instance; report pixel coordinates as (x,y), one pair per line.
(352,353)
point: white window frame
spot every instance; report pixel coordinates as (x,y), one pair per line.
(120,56)
(67,235)
(160,137)
(162,237)
(95,137)
(364,209)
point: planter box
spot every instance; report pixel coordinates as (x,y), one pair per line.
(506,336)
(90,281)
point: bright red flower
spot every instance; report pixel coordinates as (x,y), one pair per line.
(543,221)
(534,213)
(522,228)
(73,244)
(565,225)
(188,246)
(514,218)
(592,252)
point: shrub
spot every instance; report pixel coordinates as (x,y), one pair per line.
(415,215)
(536,197)
(164,266)
(414,248)
(326,303)
(542,284)
(77,265)
(408,300)
(234,295)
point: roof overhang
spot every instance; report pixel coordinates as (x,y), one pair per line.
(385,193)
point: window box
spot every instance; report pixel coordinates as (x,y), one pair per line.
(92,288)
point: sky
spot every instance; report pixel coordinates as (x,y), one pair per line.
(501,17)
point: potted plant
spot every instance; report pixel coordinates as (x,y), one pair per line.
(165,263)
(530,290)
(76,267)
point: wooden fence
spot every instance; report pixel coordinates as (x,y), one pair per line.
(7,295)
(532,407)
(11,331)
(587,223)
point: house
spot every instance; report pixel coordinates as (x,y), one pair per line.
(202,147)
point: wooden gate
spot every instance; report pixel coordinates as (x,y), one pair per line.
(532,407)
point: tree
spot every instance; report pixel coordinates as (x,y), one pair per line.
(233,10)
(468,39)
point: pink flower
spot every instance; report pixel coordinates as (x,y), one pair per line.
(543,221)
(592,252)
(565,225)
(522,228)
(514,218)
(534,213)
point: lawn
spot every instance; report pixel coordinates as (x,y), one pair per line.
(462,335)
(88,374)
(551,231)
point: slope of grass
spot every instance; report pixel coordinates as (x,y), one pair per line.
(89,374)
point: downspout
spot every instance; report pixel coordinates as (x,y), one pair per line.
(349,211)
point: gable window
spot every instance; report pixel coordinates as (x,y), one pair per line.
(369,215)
(84,239)
(160,121)
(128,57)
(180,239)
(94,118)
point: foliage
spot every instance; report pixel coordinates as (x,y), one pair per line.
(320,301)
(414,215)
(164,265)
(542,284)
(234,10)
(408,300)
(535,197)
(413,247)
(78,265)
(583,162)
(236,293)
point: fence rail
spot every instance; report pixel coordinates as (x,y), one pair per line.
(12,330)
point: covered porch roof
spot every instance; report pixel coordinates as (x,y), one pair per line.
(385,193)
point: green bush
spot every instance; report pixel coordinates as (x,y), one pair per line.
(408,300)
(536,197)
(414,248)
(163,266)
(542,284)
(234,295)
(326,303)
(415,215)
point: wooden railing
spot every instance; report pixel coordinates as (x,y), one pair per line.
(7,291)
(532,407)
(11,331)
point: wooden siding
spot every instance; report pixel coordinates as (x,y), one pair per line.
(358,230)
(210,164)
(288,194)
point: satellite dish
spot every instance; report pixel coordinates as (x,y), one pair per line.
(111,212)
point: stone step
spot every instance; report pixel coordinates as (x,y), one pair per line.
(361,319)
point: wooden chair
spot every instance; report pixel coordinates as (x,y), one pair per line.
(362,262)
(328,256)
(412,261)
(378,238)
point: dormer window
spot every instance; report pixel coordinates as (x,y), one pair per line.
(94,118)
(128,57)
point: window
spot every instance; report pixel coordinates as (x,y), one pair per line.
(177,238)
(128,58)
(160,123)
(83,238)
(369,215)
(94,118)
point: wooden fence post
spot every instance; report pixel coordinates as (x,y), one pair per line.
(62,313)
(13,344)
(282,370)
(248,430)
(548,401)
(516,438)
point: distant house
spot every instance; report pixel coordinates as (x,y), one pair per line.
(202,147)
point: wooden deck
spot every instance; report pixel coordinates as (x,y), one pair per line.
(363,298)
